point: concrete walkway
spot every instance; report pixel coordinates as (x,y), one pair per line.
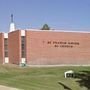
(7,88)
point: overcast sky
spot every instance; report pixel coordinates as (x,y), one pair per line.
(58,14)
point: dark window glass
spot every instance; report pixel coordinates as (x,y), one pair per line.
(23,54)
(6,54)
(6,41)
(6,47)
(23,46)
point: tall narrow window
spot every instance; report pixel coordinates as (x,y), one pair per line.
(6,47)
(23,46)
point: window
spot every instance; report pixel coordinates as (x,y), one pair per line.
(23,46)
(6,47)
(6,54)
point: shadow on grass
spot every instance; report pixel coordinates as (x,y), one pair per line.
(84,77)
(64,86)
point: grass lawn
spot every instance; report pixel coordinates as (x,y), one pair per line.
(35,78)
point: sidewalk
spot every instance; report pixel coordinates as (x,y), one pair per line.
(7,88)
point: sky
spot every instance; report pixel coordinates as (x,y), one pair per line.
(71,15)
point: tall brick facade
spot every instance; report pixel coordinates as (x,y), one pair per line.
(46,47)
(1,48)
(54,48)
(14,47)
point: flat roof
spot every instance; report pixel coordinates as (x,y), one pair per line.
(52,30)
(58,31)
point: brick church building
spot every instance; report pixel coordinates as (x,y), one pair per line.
(44,47)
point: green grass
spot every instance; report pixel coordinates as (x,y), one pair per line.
(38,78)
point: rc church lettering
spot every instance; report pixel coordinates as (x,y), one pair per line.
(62,44)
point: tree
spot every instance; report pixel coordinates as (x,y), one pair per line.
(84,79)
(45,27)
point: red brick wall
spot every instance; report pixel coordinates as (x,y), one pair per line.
(1,48)
(14,40)
(71,47)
